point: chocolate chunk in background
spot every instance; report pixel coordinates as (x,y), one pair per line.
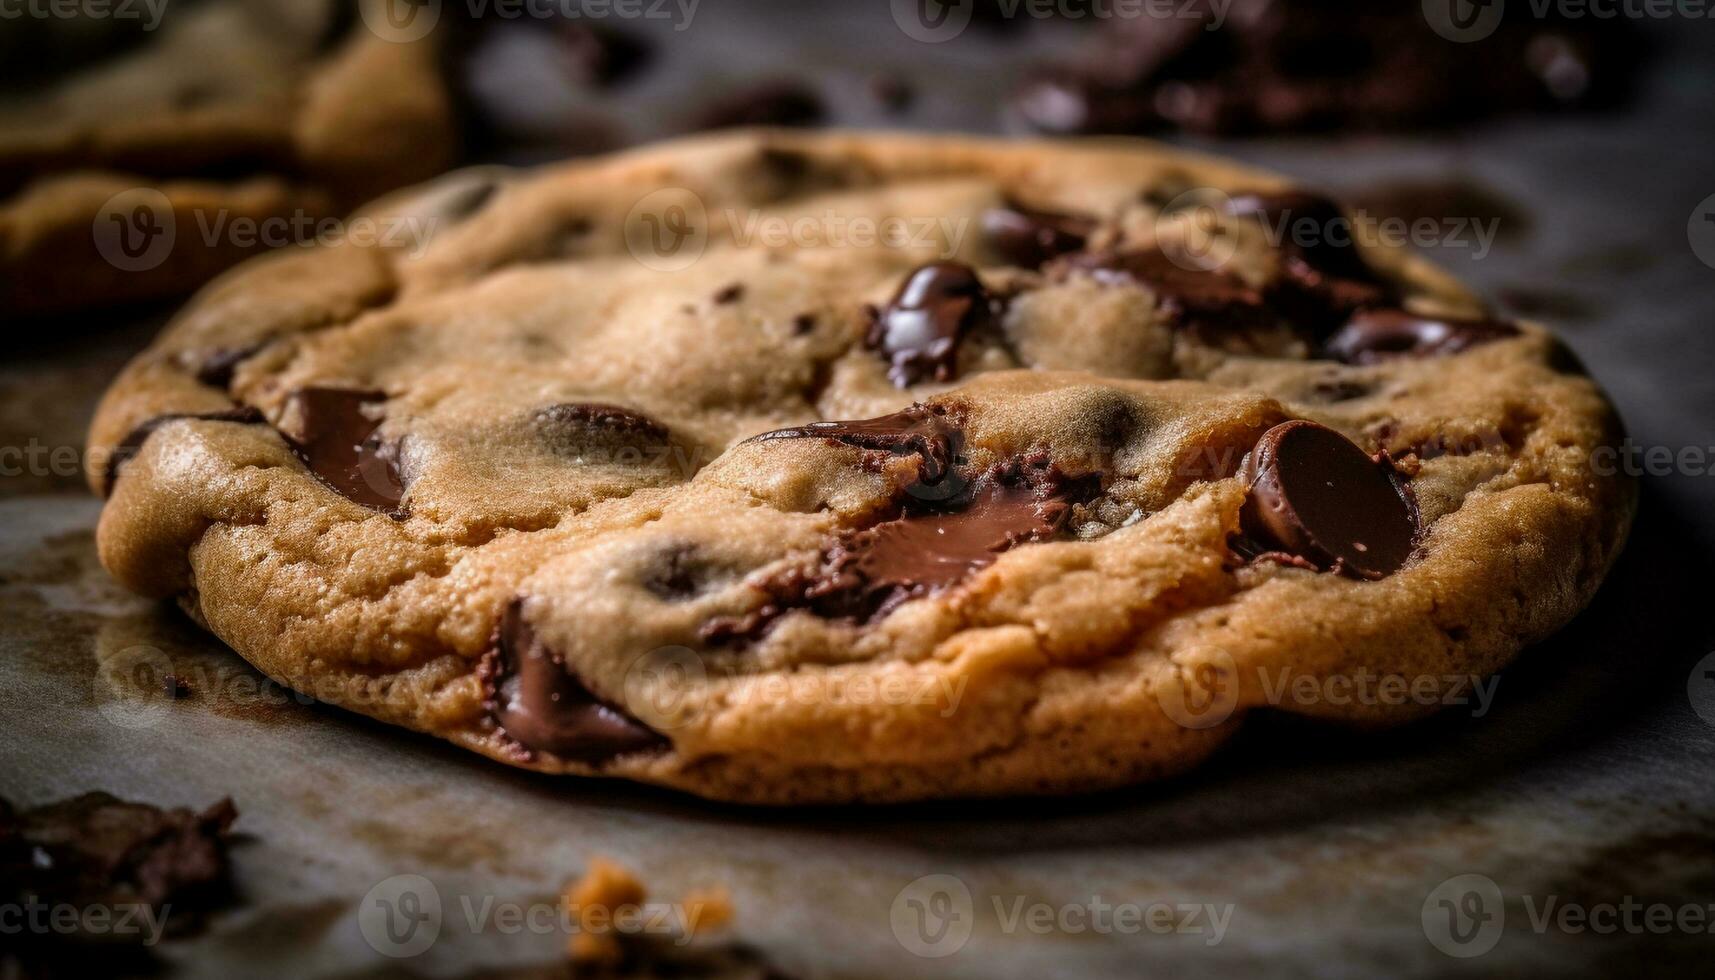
(540,705)
(1318,500)
(1029,237)
(335,434)
(1308,65)
(775,102)
(1324,277)
(1380,335)
(128,447)
(920,329)
(97,850)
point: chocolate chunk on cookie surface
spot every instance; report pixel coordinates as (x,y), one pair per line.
(542,706)
(920,329)
(1316,496)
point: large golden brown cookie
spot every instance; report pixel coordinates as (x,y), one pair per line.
(788,468)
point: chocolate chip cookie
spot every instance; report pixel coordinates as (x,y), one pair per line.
(787,468)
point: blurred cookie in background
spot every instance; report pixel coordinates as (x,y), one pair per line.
(169,145)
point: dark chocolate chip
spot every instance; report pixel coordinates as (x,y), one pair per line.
(770,103)
(1028,237)
(930,547)
(1317,499)
(1324,277)
(96,850)
(1380,335)
(803,323)
(127,448)
(219,363)
(338,440)
(541,705)
(730,294)
(871,571)
(922,430)
(919,331)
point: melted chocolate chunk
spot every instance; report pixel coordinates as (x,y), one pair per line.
(922,430)
(543,707)
(128,447)
(339,442)
(920,329)
(97,850)
(219,364)
(1207,302)
(1380,335)
(1324,275)
(1318,500)
(931,546)
(1027,237)
(928,550)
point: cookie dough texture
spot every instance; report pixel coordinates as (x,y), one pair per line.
(1128,648)
(229,114)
